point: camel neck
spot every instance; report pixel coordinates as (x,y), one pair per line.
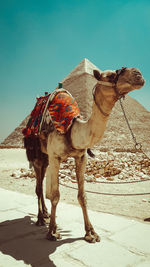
(86,134)
(104,99)
(96,125)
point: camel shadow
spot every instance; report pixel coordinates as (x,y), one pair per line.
(22,240)
(147,219)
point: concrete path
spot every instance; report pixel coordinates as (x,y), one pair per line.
(124,242)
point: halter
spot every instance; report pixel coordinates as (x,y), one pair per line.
(113,85)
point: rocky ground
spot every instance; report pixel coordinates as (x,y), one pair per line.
(116,182)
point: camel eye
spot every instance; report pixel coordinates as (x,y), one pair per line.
(112,77)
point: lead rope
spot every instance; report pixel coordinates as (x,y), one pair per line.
(138,146)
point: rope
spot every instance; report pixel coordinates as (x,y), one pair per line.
(138,146)
(107,194)
(131,182)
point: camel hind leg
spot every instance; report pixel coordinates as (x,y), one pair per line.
(40,166)
(91,236)
(39,161)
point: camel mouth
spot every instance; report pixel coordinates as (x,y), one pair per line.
(139,82)
(137,78)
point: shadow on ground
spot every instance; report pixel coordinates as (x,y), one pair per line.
(22,240)
(147,219)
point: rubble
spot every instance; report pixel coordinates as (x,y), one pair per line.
(23,173)
(106,167)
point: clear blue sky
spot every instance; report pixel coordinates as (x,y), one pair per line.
(41,41)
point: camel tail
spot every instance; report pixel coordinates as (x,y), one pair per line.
(33,149)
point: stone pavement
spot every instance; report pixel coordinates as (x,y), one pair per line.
(124,242)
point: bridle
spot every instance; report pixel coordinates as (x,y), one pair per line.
(113,85)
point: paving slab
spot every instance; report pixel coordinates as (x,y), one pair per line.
(124,242)
(106,254)
(135,238)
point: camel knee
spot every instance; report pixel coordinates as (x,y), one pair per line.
(55,196)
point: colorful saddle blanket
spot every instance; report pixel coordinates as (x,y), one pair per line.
(61,107)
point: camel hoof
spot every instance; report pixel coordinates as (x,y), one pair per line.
(40,222)
(97,238)
(46,215)
(53,237)
(92,238)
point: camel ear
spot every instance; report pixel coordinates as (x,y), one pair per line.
(97,75)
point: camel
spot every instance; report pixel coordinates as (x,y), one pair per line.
(82,135)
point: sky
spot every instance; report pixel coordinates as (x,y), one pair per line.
(42,41)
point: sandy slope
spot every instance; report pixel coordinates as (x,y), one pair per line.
(137,206)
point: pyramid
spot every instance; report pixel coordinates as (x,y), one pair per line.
(80,83)
(85,67)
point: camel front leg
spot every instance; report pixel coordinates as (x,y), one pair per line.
(91,236)
(54,197)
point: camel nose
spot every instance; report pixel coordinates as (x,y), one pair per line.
(138,77)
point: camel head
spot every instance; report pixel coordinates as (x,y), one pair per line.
(122,81)
(112,85)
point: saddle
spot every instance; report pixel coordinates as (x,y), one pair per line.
(56,110)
